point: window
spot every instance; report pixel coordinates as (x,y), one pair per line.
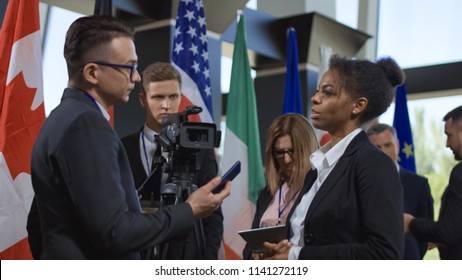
(54,66)
(420,32)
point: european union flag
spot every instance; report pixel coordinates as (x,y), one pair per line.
(292,97)
(403,130)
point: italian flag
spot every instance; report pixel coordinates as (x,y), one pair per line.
(242,143)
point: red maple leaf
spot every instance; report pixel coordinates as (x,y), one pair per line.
(19,125)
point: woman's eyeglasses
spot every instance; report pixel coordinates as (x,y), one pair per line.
(281,153)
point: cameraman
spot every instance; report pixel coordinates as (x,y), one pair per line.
(160,95)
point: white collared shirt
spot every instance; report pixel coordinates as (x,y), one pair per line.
(324,161)
(103,111)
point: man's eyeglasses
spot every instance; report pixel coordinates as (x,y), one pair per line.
(133,67)
(281,153)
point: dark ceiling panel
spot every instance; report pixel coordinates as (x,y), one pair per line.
(434,78)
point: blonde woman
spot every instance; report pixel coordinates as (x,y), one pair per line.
(290,140)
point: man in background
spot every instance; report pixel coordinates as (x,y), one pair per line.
(160,96)
(416,190)
(447,231)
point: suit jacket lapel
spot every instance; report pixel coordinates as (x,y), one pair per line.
(135,153)
(328,184)
(338,171)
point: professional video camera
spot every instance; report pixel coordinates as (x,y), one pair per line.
(181,140)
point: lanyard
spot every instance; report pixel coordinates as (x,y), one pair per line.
(280,211)
(92,99)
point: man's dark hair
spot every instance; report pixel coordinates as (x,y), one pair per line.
(379,128)
(87,37)
(455,114)
(159,72)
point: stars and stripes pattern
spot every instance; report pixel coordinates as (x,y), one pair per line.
(191,58)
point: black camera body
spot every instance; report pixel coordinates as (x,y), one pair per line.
(181,140)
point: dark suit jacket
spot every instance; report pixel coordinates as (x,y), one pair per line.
(187,247)
(358,211)
(84,189)
(447,231)
(264,199)
(418,202)
(34,233)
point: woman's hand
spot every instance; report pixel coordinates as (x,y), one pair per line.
(279,251)
(407,221)
(256,256)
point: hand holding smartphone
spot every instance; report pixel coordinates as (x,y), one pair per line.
(228,176)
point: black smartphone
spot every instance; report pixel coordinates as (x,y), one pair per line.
(228,176)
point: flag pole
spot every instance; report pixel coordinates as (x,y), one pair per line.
(239,13)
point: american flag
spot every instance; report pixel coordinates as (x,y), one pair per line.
(191,58)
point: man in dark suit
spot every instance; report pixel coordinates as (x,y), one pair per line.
(84,191)
(417,198)
(447,231)
(160,95)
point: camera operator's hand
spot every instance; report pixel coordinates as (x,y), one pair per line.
(203,202)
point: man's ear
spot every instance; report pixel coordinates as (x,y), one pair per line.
(90,73)
(142,99)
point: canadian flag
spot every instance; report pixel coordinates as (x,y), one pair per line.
(21,117)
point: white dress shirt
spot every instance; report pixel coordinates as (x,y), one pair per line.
(324,161)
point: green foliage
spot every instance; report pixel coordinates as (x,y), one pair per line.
(433,160)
